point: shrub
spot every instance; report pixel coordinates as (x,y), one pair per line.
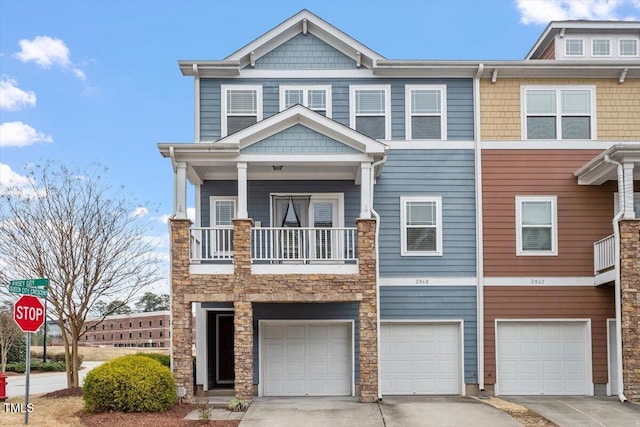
(17,352)
(129,384)
(239,405)
(164,359)
(21,367)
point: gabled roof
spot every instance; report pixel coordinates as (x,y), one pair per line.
(301,23)
(556,27)
(301,115)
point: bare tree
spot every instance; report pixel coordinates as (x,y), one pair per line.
(10,333)
(73,228)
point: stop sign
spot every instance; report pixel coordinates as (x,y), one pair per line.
(28,312)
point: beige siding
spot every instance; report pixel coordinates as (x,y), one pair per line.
(523,302)
(617,107)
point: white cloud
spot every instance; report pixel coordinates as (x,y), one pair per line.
(13,98)
(163,219)
(47,51)
(18,134)
(14,184)
(140,212)
(543,11)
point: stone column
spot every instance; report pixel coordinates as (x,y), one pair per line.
(242,247)
(367,310)
(630,301)
(181,322)
(243,349)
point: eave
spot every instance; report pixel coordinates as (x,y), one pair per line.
(598,170)
(620,70)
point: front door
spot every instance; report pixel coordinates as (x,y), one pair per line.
(225,372)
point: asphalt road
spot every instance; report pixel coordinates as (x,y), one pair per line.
(44,382)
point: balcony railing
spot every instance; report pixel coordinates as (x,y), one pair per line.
(603,254)
(211,244)
(282,244)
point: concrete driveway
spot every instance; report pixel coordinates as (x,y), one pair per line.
(582,411)
(392,412)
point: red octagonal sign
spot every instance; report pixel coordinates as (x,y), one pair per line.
(28,312)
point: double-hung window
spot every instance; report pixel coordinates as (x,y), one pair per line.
(316,98)
(628,47)
(574,47)
(601,47)
(426,111)
(241,107)
(536,223)
(371,110)
(421,226)
(566,112)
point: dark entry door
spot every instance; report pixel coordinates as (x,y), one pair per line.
(225,372)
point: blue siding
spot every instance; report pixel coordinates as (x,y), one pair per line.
(437,302)
(459,102)
(446,173)
(305,52)
(299,139)
(346,311)
(258,195)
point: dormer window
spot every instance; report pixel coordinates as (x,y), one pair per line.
(574,47)
(628,47)
(241,107)
(601,47)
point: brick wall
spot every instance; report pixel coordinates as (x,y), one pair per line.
(630,301)
(134,330)
(242,288)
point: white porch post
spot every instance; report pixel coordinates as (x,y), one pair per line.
(242,191)
(365,190)
(628,191)
(180,183)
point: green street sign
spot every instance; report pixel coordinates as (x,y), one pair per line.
(36,287)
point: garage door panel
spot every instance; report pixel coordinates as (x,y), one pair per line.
(554,363)
(307,359)
(420,359)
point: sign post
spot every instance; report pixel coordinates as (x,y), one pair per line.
(29,314)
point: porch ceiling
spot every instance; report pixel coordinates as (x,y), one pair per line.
(270,170)
(598,170)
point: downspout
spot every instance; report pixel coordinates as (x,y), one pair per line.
(618,297)
(477,149)
(377,216)
(172,156)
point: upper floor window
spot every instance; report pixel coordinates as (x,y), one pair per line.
(574,47)
(241,107)
(558,112)
(601,47)
(316,98)
(426,111)
(536,223)
(421,225)
(628,47)
(370,110)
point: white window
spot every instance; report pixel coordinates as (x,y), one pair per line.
(574,47)
(241,107)
(426,111)
(536,224)
(601,47)
(566,112)
(370,111)
(421,226)
(316,98)
(628,47)
(220,240)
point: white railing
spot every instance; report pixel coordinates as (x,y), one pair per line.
(211,243)
(603,254)
(303,244)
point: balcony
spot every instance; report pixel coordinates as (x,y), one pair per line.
(604,260)
(277,250)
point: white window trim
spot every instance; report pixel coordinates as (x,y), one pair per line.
(387,106)
(566,52)
(637,40)
(558,89)
(224,89)
(306,89)
(593,50)
(212,208)
(443,112)
(554,225)
(403,227)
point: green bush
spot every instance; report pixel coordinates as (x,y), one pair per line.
(18,351)
(164,359)
(21,367)
(129,384)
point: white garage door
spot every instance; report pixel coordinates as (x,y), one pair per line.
(420,358)
(542,358)
(313,359)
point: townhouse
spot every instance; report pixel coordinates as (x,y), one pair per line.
(371,227)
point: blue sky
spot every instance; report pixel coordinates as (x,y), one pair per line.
(98,81)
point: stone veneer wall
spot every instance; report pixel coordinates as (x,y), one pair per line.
(630,293)
(243,289)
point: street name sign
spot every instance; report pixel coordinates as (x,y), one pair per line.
(37,287)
